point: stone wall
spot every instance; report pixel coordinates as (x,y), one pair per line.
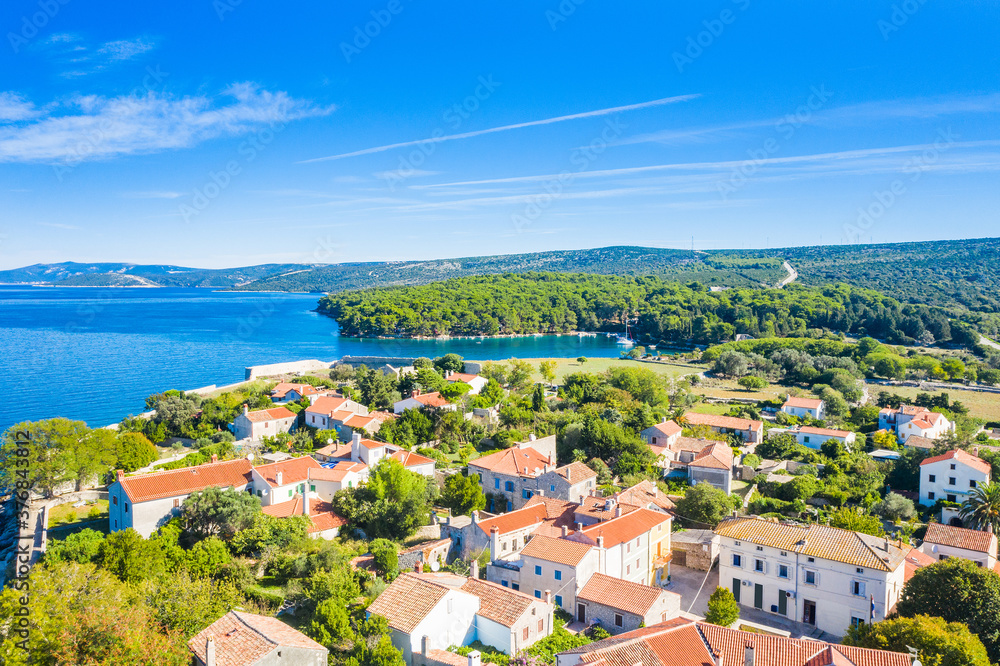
(273,369)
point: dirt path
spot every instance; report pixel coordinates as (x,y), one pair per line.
(793,275)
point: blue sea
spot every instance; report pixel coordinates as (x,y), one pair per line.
(95,354)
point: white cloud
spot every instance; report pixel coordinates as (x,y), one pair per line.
(93,127)
(126,49)
(153,195)
(13,107)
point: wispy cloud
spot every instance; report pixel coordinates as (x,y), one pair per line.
(126,49)
(80,58)
(92,127)
(153,195)
(506,128)
(13,107)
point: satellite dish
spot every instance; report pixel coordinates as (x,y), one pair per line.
(250,457)
(435,566)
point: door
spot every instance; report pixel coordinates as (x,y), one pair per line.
(809,612)
(758,595)
(581,613)
(782,602)
(737,584)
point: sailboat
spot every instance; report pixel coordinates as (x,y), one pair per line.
(625,340)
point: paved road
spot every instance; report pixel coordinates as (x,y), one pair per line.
(989,343)
(793,275)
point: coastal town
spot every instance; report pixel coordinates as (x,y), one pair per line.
(558,512)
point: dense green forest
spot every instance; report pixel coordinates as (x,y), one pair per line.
(659,309)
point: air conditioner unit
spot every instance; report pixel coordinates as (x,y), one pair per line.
(747,583)
(789,594)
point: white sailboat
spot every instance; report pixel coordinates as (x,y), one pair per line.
(625,340)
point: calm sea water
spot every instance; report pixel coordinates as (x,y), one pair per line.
(94,354)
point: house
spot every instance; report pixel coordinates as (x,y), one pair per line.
(825,577)
(661,436)
(918,442)
(261,423)
(695,549)
(619,605)
(814,408)
(528,469)
(345,474)
(814,438)
(506,534)
(643,495)
(751,431)
(476,382)
(414,462)
(418,400)
(699,460)
(635,545)
(245,639)
(951,476)
(944,541)
(327,412)
(909,420)
(146,502)
(367,425)
(282,481)
(683,642)
(548,563)
(428,612)
(325,523)
(286,392)
(429,554)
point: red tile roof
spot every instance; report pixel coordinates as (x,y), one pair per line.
(643,494)
(715,421)
(803,403)
(295,470)
(172,483)
(527,516)
(916,559)
(273,414)
(828,432)
(621,594)
(434,399)
(242,639)
(551,549)
(627,527)
(461,377)
(320,513)
(282,389)
(335,450)
(326,405)
(410,459)
(358,421)
(575,472)
(407,601)
(667,428)
(337,473)
(714,456)
(960,537)
(514,461)
(497,603)
(961,456)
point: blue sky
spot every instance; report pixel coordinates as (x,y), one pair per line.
(240,132)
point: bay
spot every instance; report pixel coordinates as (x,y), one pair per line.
(96,353)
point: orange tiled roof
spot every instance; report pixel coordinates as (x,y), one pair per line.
(526,516)
(551,549)
(714,456)
(358,421)
(335,450)
(171,483)
(828,432)
(555,509)
(292,471)
(596,507)
(383,416)
(273,414)
(667,428)
(627,527)
(803,403)
(829,543)
(916,559)
(242,639)
(461,377)
(326,405)
(960,537)
(407,601)
(434,399)
(410,459)
(715,421)
(575,472)
(320,513)
(961,456)
(622,595)
(282,389)
(645,493)
(338,473)
(500,604)
(514,461)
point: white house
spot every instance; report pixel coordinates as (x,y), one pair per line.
(477,382)
(257,425)
(814,438)
(418,400)
(951,476)
(428,612)
(282,481)
(146,502)
(944,541)
(287,392)
(330,411)
(811,407)
(325,524)
(822,576)
(751,431)
(909,420)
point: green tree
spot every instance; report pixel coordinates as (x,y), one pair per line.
(722,608)
(752,383)
(938,642)
(981,509)
(958,591)
(130,557)
(187,604)
(375,387)
(392,504)
(518,374)
(704,503)
(538,399)
(218,512)
(134,451)
(45,454)
(268,533)
(851,519)
(81,547)
(207,556)
(547,369)
(386,556)
(463,495)
(895,507)
(449,363)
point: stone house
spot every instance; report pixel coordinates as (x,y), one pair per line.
(262,423)
(245,639)
(751,431)
(618,605)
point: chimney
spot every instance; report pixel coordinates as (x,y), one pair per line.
(494,543)
(474,658)
(600,542)
(420,566)
(414,393)
(618,511)
(887,544)
(565,530)
(246,408)
(541,491)
(475,517)
(356,439)
(210,651)
(474,569)
(532,437)
(215,458)
(425,645)
(748,656)
(305,503)
(718,658)
(278,478)
(120,474)
(548,596)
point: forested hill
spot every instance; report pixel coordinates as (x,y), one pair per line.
(665,311)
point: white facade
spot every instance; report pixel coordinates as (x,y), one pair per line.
(246,425)
(814,438)
(814,411)
(949,479)
(943,552)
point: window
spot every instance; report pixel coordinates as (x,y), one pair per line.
(114,500)
(810,577)
(812,559)
(177,503)
(515,586)
(513,544)
(931,478)
(126,507)
(505,583)
(953,466)
(552,487)
(509,486)
(541,626)
(538,570)
(952,498)
(972,484)
(524,634)
(503,546)
(637,565)
(628,569)
(637,542)
(496,483)
(558,600)
(736,543)
(654,440)
(760,548)
(628,548)
(782,571)
(806,439)
(857,588)
(538,594)
(663,617)
(526,494)
(930,495)
(759,566)
(856,621)
(784,554)
(558,574)
(619,620)
(737,560)
(951,481)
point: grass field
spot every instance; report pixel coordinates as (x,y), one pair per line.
(981,405)
(567,366)
(67,513)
